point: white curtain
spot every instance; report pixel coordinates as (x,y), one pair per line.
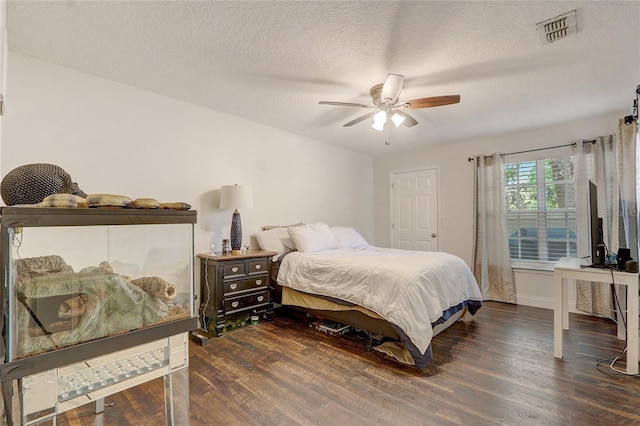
(607,164)
(627,171)
(492,260)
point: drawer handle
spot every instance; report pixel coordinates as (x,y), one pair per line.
(258,266)
(233,286)
(260,298)
(234,304)
(258,282)
(234,269)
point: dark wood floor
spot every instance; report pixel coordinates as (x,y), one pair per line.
(499,369)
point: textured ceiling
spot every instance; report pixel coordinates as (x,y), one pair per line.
(271,62)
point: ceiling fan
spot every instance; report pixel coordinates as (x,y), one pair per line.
(385,98)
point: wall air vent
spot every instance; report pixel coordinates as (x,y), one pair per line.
(557,28)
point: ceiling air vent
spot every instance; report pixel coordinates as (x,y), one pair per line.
(557,28)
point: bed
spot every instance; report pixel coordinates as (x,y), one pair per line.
(407,296)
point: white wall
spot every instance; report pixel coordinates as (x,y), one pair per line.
(456,190)
(117,139)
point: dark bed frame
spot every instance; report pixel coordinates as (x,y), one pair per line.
(376,328)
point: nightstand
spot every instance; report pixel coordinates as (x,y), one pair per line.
(233,287)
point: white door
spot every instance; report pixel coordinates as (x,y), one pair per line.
(415,210)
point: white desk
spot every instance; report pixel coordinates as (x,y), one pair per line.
(568,270)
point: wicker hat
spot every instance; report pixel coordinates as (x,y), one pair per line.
(31,183)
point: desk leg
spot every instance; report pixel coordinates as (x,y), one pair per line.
(558,314)
(632,328)
(621,291)
(565,301)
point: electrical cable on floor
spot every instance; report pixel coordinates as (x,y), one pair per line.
(203,310)
(612,371)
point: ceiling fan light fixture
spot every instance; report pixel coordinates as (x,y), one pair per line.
(397,119)
(391,88)
(379,119)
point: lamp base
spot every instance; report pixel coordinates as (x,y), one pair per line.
(236,251)
(236,232)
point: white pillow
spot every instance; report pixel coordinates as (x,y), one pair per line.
(348,237)
(267,227)
(313,238)
(276,239)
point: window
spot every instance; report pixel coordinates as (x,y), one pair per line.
(541,209)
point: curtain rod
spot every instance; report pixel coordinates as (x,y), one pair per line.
(592,141)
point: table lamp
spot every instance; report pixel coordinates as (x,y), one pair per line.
(236,197)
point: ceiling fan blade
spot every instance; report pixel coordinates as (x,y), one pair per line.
(409,121)
(432,102)
(391,88)
(347,104)
(359,119)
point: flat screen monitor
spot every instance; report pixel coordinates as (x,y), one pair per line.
(596,235)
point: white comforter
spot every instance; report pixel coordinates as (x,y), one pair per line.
(410,289)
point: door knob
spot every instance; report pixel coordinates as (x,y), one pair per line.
(433,235)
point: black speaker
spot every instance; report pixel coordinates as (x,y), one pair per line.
(624,254)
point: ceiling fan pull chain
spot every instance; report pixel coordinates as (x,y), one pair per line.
(387,142)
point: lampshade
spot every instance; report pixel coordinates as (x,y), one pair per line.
(236,197)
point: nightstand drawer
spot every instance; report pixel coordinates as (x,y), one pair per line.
(242,285)
(239,303)
(258,266)
(234,269)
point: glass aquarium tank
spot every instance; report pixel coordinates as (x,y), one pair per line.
(79,277)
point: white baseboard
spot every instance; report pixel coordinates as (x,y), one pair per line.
(535,301)
(543,302)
